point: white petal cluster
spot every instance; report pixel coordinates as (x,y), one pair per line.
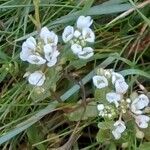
(43,51)
(118,81)
(113,97)
(139,104)
(79,37)
(142,121)
(100,81)
(137,107)
(119,128)
(136,104)
(103,80)
(36,78)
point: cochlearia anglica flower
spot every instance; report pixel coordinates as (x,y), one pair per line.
(139,103)
(100,81)
(116,76)
(36,78)
(142,121)
(82,53)
(113,97)
(120,85)
(51,54)
(43,51)
(49,37)
(29,53)
(68,34)
(119,128)
(84,22)
(88,35)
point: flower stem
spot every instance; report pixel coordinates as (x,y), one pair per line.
(37,14)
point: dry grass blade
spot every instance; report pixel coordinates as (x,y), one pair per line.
(141,5)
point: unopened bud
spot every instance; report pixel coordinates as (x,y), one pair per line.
(139,134)
(125,145)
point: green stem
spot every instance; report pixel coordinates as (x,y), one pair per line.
(37,14)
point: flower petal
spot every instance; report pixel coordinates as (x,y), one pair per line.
(88,35)
(37,78)
(116,76)
(116,134)
(119,126)
(52,62)
(28,48)
(49,37)
(48,49)
(100,81)
(76,48)
(68,34)
(84,22)
(36,59)
(86,53)
(121,86)
(113,97)
(142,121)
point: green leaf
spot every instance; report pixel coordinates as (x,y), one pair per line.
(103,135)
(53,76)
(135,72)
(105,125)
(38,93)
(3,56)
(91,111)
(78,63)
(100,95)
(144,146)
(35,136)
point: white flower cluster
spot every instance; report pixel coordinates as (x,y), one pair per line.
(79,37)
(42,51)
(119,128)
(136,106)
(117,80)
(105,111)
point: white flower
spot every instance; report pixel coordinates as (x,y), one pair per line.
(119,128)
(139,103)
(88,35)
(28,48)
(49,37)
(100,107)
(36,59)
(121,86)
(107,73)
(86,53)
(68,34)
(116,76)
(77,33)
(142,121)
(76,48)
(84,22)
(100,81)
(37,78)
(51,54)
(113,97)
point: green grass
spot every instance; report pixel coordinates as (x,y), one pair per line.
(36,122)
